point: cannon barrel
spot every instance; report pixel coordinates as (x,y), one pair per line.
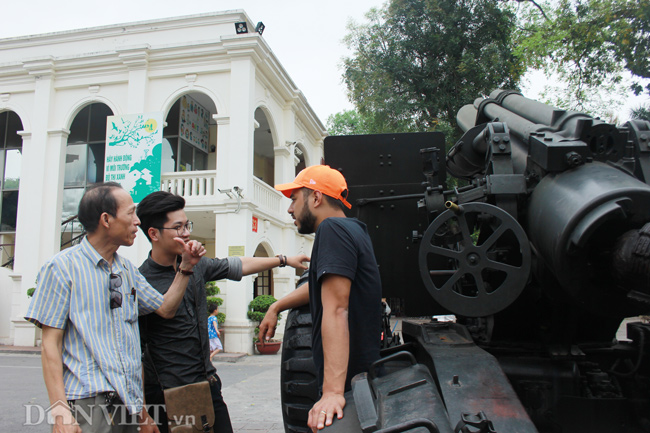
(549,137)
(471,153)
(529,109)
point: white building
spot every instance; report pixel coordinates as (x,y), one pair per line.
(56,91)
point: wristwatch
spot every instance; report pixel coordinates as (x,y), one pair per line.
(184,272)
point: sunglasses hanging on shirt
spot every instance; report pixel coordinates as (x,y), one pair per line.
(116,295)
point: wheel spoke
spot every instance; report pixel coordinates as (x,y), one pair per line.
(498,266)
(494,236)
(464,228)
(445,252)
(480,284)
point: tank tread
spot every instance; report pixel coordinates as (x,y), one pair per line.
(299,320)
(296,429)
(299,339)
(302,388)
(298,376)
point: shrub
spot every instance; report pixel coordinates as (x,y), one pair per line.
(257,310)
(215,300)
(211,290)
(221,318)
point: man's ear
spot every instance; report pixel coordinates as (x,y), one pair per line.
(317,197)
(153,234)
(105,220)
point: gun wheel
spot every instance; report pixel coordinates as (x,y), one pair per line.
(476,261)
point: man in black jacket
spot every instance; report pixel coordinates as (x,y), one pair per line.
(177,350)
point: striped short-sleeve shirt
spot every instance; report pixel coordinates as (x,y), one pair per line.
(101,346)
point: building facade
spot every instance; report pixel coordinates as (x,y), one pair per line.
(251,128)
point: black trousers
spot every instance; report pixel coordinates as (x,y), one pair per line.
(155,403)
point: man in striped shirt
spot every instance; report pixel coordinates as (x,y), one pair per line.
(87,302)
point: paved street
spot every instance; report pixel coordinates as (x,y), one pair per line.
(251,390)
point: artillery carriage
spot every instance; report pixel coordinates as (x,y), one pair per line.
(539,258)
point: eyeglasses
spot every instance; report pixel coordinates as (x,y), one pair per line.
(116,295)
(180,229)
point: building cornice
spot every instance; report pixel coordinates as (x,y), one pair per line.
(134,57)
(39,68)
(130,48)
(125,29)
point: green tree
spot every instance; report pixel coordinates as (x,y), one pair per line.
(348,122)
(587,45)
(416,62)
(641,113)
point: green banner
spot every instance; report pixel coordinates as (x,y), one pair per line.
(133,152)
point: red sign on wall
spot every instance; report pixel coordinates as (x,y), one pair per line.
(255,224)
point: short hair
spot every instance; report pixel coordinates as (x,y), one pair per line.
(153,209)
(212,306)
(96,200)
(335,203)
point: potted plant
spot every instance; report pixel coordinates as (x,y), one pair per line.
(256,311)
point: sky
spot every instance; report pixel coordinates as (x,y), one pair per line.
(305,35)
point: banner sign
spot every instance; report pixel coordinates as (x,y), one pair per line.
(194,123)
(133,152)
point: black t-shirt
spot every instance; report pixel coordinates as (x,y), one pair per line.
(343,247)
(179,347)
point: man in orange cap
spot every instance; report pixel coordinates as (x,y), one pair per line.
(344,290)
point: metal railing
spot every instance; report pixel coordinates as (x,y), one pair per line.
(71,226)
(3,249)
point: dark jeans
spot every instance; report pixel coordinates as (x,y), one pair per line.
(155,396)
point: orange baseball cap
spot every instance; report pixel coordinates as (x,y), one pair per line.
(321,178)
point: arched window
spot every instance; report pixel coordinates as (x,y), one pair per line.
(186,138)
(263,154)
(11,145)
(263,284)
(84,159)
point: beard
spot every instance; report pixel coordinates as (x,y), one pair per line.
(307,221)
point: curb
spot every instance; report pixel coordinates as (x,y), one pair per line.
(228,357)
(23,350)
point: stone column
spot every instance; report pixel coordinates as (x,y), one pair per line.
(223,149)
(136,59)
(235,168)
(231,229)
(39,203)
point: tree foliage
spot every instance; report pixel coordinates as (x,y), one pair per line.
(641,113)
(348,122)
(416,62)
(587,44)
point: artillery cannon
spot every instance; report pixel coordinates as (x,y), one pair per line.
(540,257)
